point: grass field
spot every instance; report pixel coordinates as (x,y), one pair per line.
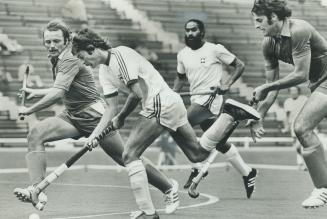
(96,188)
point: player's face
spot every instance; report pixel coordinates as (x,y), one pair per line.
(268,28)
(54,42)
(193,36)
(89,59)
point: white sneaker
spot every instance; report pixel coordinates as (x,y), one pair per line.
(30,194)
(171,199)
(318,198)
(141,215)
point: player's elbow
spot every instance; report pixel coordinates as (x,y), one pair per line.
(303,77)
(239,64)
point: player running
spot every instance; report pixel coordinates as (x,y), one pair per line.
(123,69)
(200,64)
(296,42)
(74,83)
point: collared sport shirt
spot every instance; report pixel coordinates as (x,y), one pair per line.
(77,80)
(298,38)
(125,67)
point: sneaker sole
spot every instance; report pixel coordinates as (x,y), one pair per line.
(22,196)
(312,207)
(245,107)
(254,189)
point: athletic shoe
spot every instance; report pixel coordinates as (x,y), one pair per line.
(171,198)
(240,111)
(318,198)
(194,173)
(249,182)
(142,215)
(30,194)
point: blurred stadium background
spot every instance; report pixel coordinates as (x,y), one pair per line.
(95,189)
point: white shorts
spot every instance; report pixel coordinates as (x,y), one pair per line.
(168,108)
(213,103)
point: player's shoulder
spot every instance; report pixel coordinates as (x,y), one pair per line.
(299,27)
(183,51)
(67,56)
(124,51)
(216,46)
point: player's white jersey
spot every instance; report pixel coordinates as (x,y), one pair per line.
(203,68)
(125,66)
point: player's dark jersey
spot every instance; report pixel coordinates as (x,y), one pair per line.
(298,38)
(77,80)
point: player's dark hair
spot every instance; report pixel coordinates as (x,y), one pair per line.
(88,40)
(267,7)
(199,23)
(58,24)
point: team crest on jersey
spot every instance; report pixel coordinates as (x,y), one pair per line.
(202,60)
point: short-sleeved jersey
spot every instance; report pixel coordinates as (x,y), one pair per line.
(294,106)
(77,80)
(298,38)
(126,66)
(203,67)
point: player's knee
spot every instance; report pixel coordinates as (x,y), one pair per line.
(197,157)
(128,157)
(34,137)
(299,129)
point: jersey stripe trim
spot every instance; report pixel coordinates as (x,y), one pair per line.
(209,101)
(122,65)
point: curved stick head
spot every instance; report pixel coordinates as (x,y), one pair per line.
(192,190)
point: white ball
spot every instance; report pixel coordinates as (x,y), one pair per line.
(34,216)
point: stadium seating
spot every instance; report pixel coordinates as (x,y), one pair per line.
(227,22)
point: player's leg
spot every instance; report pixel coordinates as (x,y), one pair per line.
(198,114)
(230,152)
(50,129)
(311,114)
(112,144)
(141,136)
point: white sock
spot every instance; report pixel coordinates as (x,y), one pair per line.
(198,165)
(140,186)
(236,160)
(217,132)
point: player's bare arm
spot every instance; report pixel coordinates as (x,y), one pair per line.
(49,99)
(111,109)
(133,99)
(179,82)
(35,92)
(238,71)
(272,74)
(298,76)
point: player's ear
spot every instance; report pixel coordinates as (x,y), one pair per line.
(274,17)
(90,49)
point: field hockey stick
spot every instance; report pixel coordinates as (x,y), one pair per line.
(63,167)
(23,94)
(213,91)
(196,180)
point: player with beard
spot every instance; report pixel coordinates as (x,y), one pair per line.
(200,64)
